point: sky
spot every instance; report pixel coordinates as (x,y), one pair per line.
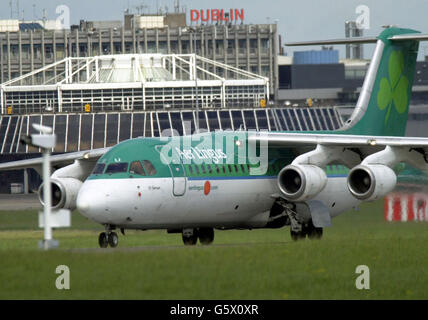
(297,20)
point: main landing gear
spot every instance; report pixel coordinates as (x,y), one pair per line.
(306,230)
(108,238)
(300,230)
(191,236)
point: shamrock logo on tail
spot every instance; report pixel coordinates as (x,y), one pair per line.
(393,91)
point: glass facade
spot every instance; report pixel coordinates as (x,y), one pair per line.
(105,100)
(77,132)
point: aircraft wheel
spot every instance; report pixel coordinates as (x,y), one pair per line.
(102,240)
(113,239)
(295,236)
(206,236)
(190,240)
(316,233)
(306,229)
(313,232)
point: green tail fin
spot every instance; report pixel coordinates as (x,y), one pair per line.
(384,111)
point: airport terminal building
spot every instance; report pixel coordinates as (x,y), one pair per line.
(257,48)
(31,46)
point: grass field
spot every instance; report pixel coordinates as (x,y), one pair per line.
(257,264)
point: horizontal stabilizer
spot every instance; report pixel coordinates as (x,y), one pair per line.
(292,140)
(403,37)
(334,41)
(357,40)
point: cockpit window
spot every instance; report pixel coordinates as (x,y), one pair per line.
(117,167)
(149,168)
(136,168)
(99,168)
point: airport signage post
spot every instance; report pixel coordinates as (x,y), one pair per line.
(49,219)
(47,198)
(46,141)
(49,143)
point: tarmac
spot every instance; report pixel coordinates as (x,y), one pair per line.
(12,202)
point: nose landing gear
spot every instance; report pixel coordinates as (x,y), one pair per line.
(103,240)
(108,238)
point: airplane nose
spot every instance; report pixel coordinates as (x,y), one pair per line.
(89,203)
(83,202)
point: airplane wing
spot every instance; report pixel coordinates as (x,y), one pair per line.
(283,139)
(348,149)
(57,161)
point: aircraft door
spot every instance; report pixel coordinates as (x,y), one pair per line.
(178,179)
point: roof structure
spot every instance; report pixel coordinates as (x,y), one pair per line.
(127,68)
(178,75)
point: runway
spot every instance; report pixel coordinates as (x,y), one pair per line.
(16,202)
(179,246)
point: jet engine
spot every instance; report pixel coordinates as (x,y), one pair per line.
(371,182)
(64,192)
(301,182)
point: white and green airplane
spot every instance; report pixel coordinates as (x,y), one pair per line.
(244,180)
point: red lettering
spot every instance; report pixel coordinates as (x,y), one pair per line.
(239,14)
(207,18)
(194,15)
(215,14)
(222,16)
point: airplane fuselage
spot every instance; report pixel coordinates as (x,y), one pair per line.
(219,202)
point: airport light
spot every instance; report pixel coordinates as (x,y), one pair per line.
(372,142)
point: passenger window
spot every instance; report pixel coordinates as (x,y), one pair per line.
(99,168)
(203,169)
(190,170)
(136,168)
(197,170)
(117,167)
(243,168)
(149,168)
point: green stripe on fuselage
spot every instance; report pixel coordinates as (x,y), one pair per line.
(234,165)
